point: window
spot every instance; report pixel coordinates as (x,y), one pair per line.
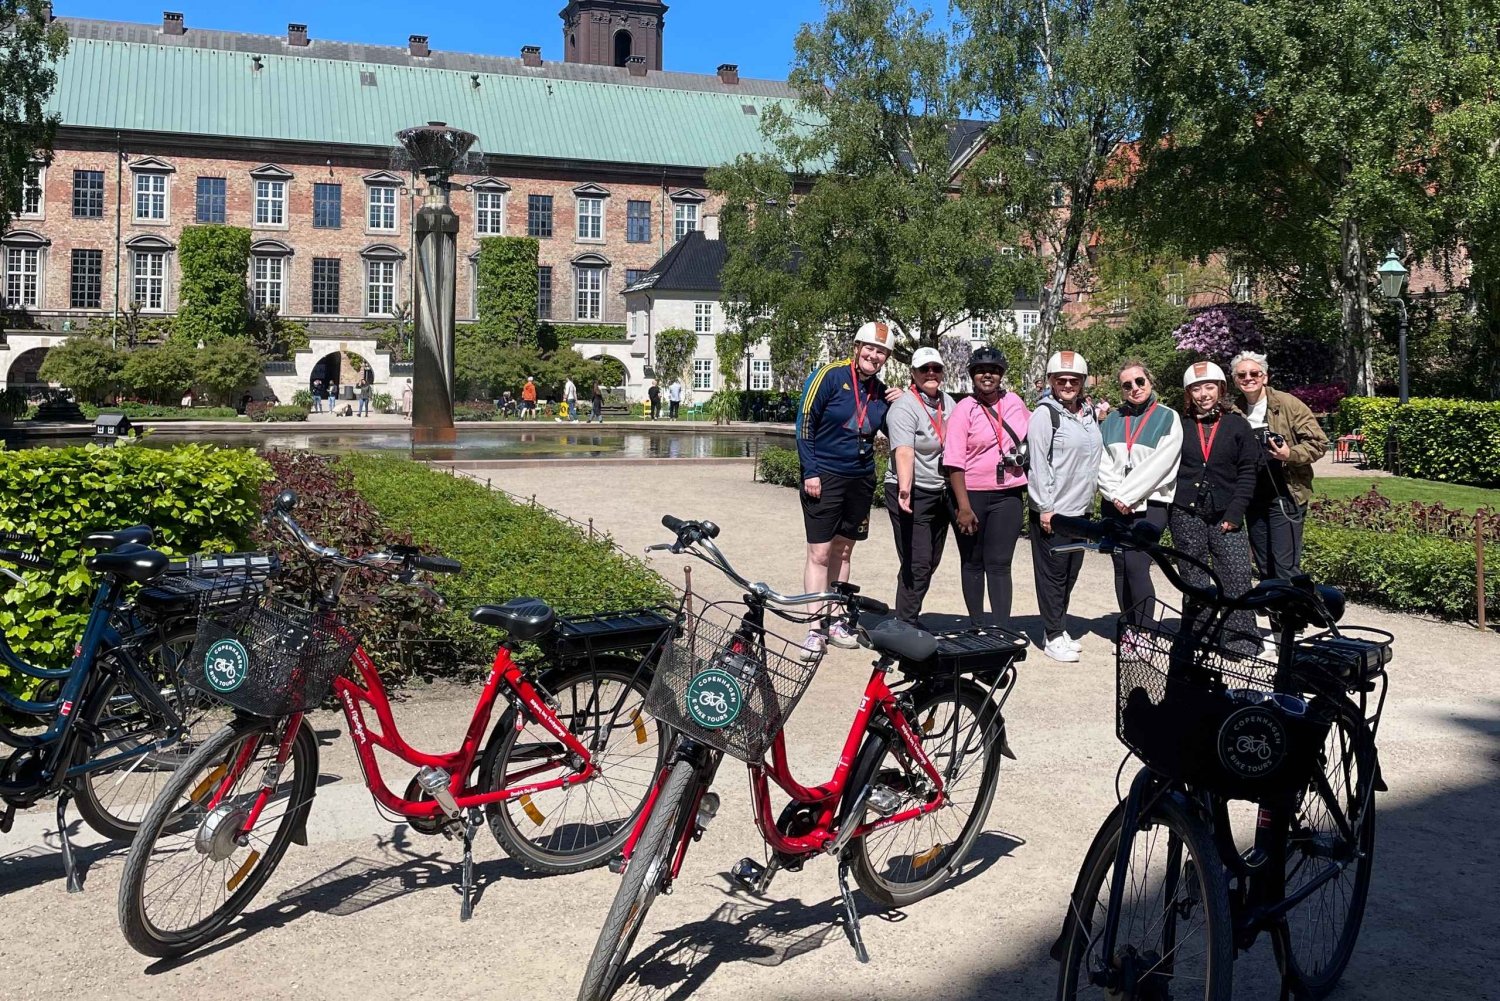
(1120,301)
(703,317)
(1239,286)
(86,283)
(703,373)
(637,222)
(760,373)
(1176,289)
(544,293)
(684,219)
(88,194)
(268,272)
(270,203)
(588,296)
(149,277)
(539,215)
(209,204)
(1027,320)
(23,270)
(328,207)
(151,197)
(489,213)
(1007,251)
(325,285)
(382,207)
(980,328)
(1059,197)
(590,218)
(633,275)
(380,287)
(31,191)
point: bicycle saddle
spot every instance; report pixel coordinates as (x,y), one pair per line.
(141,535)
(130,561)
(523,618)
(905,642)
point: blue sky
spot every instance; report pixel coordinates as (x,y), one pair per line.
(700,34)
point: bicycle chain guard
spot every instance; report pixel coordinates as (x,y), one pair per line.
(423,825)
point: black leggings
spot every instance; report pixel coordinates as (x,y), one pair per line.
(1133,567)
(985,556)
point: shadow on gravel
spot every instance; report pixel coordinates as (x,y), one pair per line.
(1100,629)
(38,864)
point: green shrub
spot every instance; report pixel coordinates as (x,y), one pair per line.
(212,261)
(1455,441)
(302,398)
(562,335)
(149,411)
(13,403)
(474,410)
(88,367)
(1405,571)
(283,413)
(198,498)
(781,467)
(508,550)
(228,366)
(159,373)
(382,403)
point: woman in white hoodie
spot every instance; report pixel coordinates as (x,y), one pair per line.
(1138,476)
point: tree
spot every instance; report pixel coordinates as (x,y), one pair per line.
(879,230)
(1055,77)
(276,337)
(28,66)
(674,350)
(228,366)
(160,374)
(393,333)
(507,292)
(214,301)
(89,367)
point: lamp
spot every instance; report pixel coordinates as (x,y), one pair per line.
(1392,285)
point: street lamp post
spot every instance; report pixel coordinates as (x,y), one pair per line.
(749,413)
(1392,286)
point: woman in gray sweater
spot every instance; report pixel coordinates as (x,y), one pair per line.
(915,491)
(1065,451)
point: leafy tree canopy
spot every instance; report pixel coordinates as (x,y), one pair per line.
(30,45)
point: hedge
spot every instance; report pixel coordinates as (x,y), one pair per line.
(1456,441)
(1408,572)
(780,467)
(149,411)
(199,499)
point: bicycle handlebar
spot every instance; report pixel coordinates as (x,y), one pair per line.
(29,560)
(400,561)
(19,538)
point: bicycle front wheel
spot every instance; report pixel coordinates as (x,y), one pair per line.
(1173,937)
(194,865)
(575,827)
(1331,838)
(650,869)
(962,735)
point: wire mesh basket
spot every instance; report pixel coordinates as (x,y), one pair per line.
(719,684)
(266,657)
(1196,709)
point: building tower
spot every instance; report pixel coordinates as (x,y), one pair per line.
(610,32)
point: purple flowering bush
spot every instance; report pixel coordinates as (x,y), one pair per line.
(1322,398)
(1221,332)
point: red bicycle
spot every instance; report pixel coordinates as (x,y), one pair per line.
(910,792)
(562,777)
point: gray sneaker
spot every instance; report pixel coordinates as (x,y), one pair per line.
(812,648)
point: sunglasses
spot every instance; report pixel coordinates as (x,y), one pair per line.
(1140,382)
(1246,376)
(931,370)
(1063,380)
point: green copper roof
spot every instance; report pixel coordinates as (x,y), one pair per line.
(179,89)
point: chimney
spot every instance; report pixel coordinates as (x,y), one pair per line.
(710,227)
(531,55)
(636,65)
(417,45)
(171,23)
(729,73)
(296,34)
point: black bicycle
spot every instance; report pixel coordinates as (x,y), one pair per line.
(109,729)
(1166,896)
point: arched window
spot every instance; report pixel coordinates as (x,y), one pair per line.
(624,46)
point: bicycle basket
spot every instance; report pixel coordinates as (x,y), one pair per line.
(718,686)
(1196,711)
(267,657)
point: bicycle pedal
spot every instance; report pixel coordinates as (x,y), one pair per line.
(747,873)
(884,800)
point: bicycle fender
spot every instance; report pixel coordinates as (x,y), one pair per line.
(984,693)
(299,832)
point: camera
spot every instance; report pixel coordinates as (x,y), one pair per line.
(1275,439)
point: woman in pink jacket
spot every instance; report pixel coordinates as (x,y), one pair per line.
(979,455)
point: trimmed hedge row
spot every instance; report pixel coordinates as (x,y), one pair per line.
(780,467)
(1455,441)
(1407,572)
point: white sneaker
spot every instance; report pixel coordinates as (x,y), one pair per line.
(1269,652)
(1073,644)
(1059,649)
(839,635)
(812,647)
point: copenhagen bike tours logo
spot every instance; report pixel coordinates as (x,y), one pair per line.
(1252,742)
(226,665)
(714,699)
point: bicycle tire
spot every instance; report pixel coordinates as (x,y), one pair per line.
(1347,762)
(1090,901)
(182,824)
(102,797)
(540,830)
(936,851)
(640,885)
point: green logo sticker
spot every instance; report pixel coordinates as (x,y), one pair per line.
(714,699)
(226,665)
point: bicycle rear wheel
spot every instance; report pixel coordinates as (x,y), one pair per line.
(1173,933)
(580,826)
(192,867)
(962,734)
(650,868)
(1321,931)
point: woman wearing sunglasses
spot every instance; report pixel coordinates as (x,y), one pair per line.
(1293,441)
(1066,447)
(981,453)
(916,494)
(1138,476)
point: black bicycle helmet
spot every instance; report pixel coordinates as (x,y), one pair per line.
(987,355)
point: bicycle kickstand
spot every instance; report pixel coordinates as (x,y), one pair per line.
(466,907)
(70,865)
(851,913)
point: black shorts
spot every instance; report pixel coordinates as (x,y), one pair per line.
(841,509)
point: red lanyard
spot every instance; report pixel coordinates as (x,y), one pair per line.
(1207,444)
(1140,424)
(860,409)
(995,423)
(937,425)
